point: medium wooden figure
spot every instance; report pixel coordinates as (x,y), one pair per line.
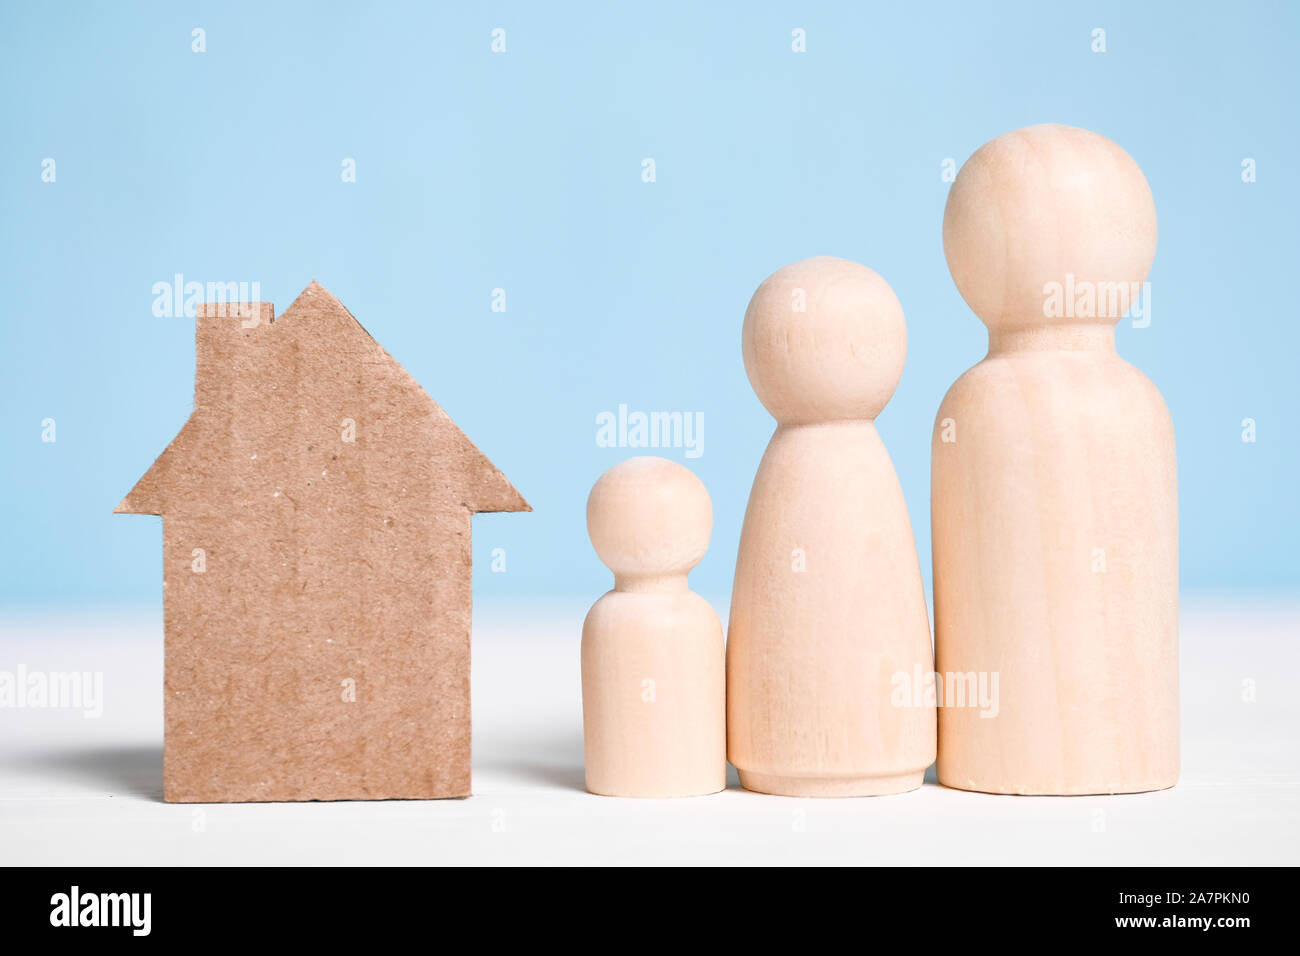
(1054,495)
(828,616)
(653,690)
(316,566)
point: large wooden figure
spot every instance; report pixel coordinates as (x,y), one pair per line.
(1055,520)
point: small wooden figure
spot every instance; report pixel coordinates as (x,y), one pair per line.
(1054,493)
(652,652)
(316,513)
(828,653)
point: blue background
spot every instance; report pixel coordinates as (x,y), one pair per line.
(522,170)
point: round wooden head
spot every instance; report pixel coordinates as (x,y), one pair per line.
(824,340)
(649,517)
(1049,225)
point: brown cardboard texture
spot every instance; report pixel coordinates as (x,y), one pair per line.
(316,566)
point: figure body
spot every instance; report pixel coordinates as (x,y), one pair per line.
(652,650)
(828,612)
(1054,489)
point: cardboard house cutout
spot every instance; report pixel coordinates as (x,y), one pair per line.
(316,566)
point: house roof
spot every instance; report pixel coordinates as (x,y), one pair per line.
(285,389)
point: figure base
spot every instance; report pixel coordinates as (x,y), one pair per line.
(790,786)
(1035,788)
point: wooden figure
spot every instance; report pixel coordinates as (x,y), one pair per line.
(1054,494)
(316,567)
(828,615)
(652,660)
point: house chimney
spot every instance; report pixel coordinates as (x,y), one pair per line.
(228,339)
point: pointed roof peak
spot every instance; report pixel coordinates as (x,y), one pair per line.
(317,298)
(316,291)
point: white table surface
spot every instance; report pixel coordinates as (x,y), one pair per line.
(82,791)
